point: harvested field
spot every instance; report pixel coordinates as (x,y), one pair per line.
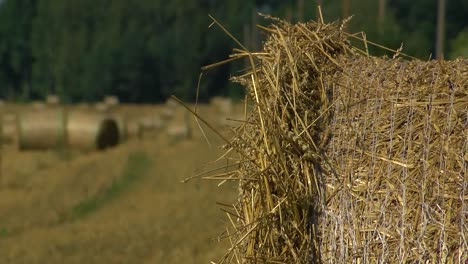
(122,205)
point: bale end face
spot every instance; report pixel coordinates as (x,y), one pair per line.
(108,134)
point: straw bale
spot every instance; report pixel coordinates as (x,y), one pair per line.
(9,130)
(38,105)
(111,101)
(43,129)
(232,120)
(102,107)
(349,158)
(134,129)
(179,128)
(167,114)
(152,123)
(178,131)
(52,99)
(83,106)
(91,131)
(121,121)
(171,103)
(224,109)
(223,105)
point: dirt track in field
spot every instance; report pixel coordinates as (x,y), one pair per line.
(57,208)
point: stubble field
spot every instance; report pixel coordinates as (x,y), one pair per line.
(122,205)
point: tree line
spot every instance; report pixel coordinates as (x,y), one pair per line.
(146,50)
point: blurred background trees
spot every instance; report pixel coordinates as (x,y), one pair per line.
(146,50)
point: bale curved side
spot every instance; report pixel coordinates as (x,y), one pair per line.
(349,158)
(44,129)
(90,131)
(8,128)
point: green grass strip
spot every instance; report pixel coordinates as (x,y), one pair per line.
(138,164)
(4,232)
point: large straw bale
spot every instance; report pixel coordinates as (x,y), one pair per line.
(91,131)
(349,158)
(43,129)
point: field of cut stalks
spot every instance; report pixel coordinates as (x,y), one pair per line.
(125,204)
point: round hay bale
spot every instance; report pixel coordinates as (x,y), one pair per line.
(52,99)
(38,105)
(41,129)
(167,114)
(151,123)
(121,125)
(111,100)
(171,103)
(223,105)
(2,103)
(180,128)
(133,130)
(88,130)
(8,129)
(178,131)
(101,107)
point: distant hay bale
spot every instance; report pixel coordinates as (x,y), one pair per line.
(111,101)
(2,103)
(171,103)
(52,100)
(128,128)
(101,107)
(133,130)
(223,105)
(224,109)
(232,121)
(9,130)
(349,158)
(41,129)
(91,131)
(179,128)
(178,131)
(167,114)
(121,122)
(38,105)
(152,123)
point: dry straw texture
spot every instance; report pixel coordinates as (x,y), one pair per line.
(349,158)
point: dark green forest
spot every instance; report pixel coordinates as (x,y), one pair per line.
(146,50)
